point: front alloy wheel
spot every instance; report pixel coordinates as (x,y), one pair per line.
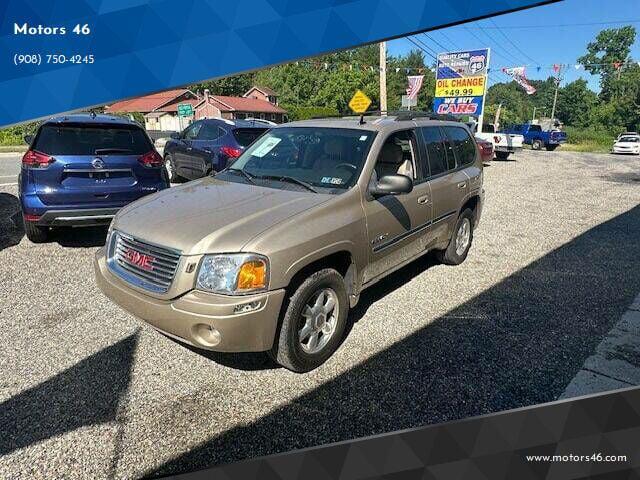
(320,319)
(313,322)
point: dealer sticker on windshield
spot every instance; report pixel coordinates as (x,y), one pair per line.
(332,180)
(266,146)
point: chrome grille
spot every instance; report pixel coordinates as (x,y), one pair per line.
(148,266)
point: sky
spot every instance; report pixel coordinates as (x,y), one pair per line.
(537,35)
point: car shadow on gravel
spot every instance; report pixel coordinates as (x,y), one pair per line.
(11,227)
(88,393)
(518,343)
(240,361)
(82,237)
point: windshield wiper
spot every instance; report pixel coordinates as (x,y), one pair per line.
(246,175)
(285,178)
(103,151)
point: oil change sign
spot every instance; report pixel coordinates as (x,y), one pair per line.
(461,82)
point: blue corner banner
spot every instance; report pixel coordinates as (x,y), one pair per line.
(62,55)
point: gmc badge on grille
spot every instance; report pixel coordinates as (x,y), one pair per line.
(138,259)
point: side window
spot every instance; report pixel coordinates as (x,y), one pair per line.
(397,156)
(191,132)
(463,145)
(210,131)
(434,146)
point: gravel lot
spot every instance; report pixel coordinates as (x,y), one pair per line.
(88,391)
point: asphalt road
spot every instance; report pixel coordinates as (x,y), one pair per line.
(9,168)
(88,391)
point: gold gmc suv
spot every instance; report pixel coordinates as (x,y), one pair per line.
(270,253)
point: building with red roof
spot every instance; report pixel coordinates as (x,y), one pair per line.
(160,110)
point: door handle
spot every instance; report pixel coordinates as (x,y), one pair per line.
(462,185)
(423,200)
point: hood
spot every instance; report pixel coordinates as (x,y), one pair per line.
(210,215)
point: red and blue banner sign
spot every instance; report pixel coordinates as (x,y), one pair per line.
(461,82)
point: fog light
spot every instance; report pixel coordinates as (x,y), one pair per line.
(247,307)
(207,335)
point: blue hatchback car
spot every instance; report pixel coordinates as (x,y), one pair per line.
(207,146)
(81,169)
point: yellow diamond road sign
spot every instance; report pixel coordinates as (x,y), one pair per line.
(359,102)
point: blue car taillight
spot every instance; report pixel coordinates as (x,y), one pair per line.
(151,159)
(34,159)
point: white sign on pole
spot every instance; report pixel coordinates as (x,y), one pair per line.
(409,102)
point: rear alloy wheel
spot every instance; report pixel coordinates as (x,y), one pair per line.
(460,242)
(36,233)
(536,145)
(170,168)
(313,323)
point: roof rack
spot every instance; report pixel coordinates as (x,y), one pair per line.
(400,115)
(411,115)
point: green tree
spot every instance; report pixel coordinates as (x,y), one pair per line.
(576,103)
(611,46)
(235,85)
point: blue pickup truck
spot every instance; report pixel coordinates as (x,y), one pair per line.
(538,138)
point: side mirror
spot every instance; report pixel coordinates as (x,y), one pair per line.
(175,136)
(28,139)
(392,185)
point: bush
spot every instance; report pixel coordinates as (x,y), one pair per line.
(305,113)
(14,136)
(588,139)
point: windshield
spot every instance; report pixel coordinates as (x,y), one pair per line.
(629,139)
(78,139)
(327,159)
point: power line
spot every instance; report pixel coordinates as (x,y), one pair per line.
(512,42)
(492,39)
(434,54)
(484,42)
(446,37)
(421,48)
(612,22)
(436,42)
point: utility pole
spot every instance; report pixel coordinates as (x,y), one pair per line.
(383,77)
(534,114)
(555,96)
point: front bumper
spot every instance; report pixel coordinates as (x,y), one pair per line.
(200,319)
(506,148)
(625,150)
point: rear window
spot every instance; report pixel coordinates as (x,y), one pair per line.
(70,139)
(246,136)
(535,128)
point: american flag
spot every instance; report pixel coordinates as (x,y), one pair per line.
(415,84)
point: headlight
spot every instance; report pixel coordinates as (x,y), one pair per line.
(233,274)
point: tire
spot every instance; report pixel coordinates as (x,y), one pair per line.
(35,233)
(452,256)
(551,148)
(170,168)
(536,145)
(289,349)
(502,155)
